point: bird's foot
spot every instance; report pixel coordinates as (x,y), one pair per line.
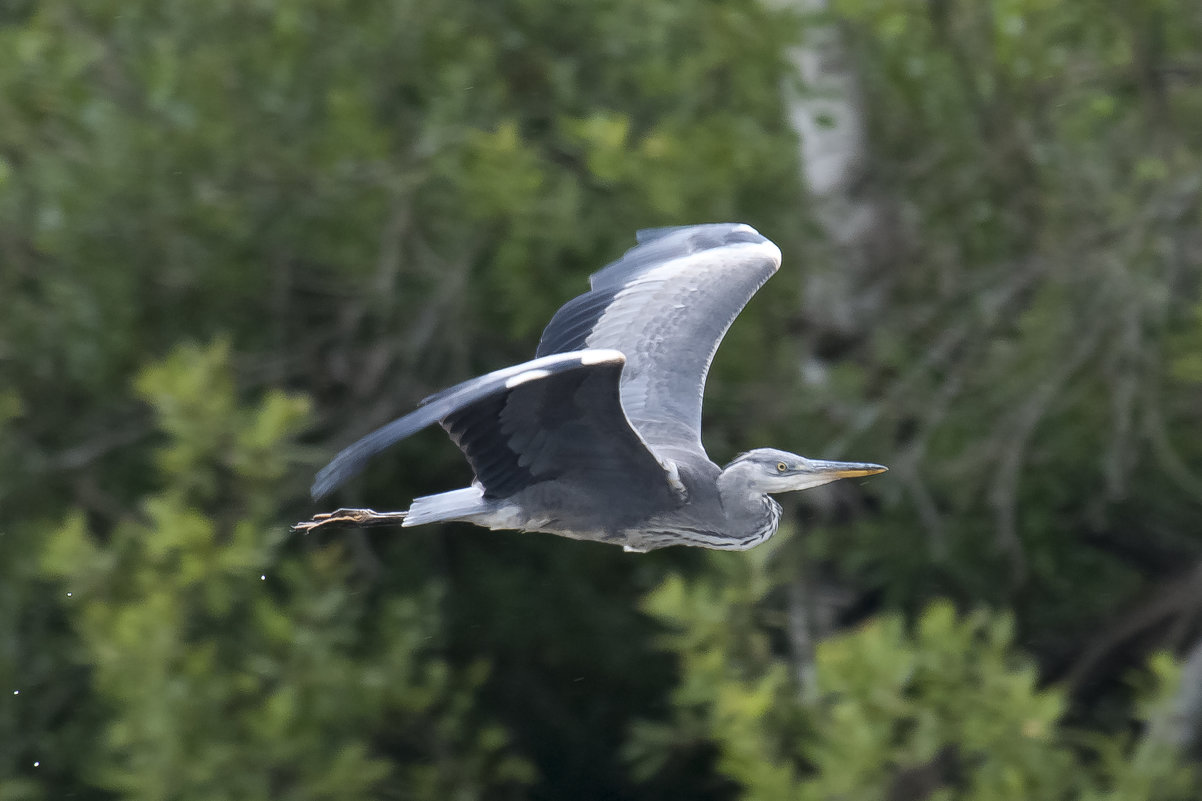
(358,518)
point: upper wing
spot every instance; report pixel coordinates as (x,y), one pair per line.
(666,304)
(555,418)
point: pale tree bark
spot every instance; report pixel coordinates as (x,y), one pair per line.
(843,279)
(1177,725)
(843,286)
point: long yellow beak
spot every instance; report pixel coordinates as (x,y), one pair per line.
(848,469)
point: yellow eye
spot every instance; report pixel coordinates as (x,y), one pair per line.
(781,467)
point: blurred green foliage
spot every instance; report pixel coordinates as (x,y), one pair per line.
(949,709)
(233,671)
(353,206)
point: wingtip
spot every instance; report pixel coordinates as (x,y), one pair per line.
(319,490)
(328,479)
(773,252)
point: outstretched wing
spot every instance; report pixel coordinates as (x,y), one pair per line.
(557,418)
(666,304)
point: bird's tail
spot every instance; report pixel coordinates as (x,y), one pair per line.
(460,504)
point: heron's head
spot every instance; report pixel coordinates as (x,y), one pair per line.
(771,471)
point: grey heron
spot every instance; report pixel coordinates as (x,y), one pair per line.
(599,437)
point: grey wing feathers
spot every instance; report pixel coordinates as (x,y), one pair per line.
(571,326)
(666,304)
(565,427)
(553,417)
(644,235)
(660,245)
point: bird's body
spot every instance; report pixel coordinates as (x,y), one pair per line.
(599,437)
(706,513)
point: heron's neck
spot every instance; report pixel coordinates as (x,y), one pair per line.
(751,514)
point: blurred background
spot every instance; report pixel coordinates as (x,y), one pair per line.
(236,235)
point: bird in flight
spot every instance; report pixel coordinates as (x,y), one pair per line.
(599,437)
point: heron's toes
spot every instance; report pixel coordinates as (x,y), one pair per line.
(344,517)
(308,525)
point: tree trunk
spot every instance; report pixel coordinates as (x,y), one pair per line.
(843,286)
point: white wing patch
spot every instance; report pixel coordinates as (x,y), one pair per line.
(601,356)
(673,472)
(523,377)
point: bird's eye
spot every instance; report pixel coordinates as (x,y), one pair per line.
(781,467)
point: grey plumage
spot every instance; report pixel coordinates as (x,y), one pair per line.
(599,437)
